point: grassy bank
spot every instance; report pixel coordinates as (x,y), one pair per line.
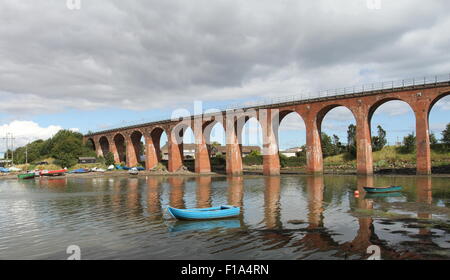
(388,158)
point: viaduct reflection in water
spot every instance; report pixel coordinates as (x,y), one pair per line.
(146,196)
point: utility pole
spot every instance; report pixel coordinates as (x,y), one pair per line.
(6,139)
(12,149)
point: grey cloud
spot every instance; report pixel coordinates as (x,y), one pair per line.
(143,55)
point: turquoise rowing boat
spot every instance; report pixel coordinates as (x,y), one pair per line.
(220,212)
(379,195)
(204,225)
(383,189)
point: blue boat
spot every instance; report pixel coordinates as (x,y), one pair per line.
(220,212)
(383,189)
(80,170)
(139,168)
(206,225)
(4,170)
(377,195)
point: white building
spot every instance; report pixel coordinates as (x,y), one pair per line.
(292,152)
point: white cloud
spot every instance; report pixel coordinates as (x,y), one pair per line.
(444,103)
(26,131)
(339,114)
(292,122)
(394,108)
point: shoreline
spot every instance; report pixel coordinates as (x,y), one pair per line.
(247,172)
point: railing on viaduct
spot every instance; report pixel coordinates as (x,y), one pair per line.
(421,94)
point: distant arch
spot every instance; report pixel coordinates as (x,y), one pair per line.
(156,135)
(104,145)
(291,134)
(333,123)
(397,118)
(119,142)
(91,143)
(138,147)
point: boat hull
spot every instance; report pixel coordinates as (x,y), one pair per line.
(53,172)
(383,190)
(26,176)
(211,213)
(204,225)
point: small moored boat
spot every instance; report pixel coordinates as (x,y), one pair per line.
(383,189)
(53,172)
(26,176)
(79,171)
(378,195)
(133,171)
(220,212)
(204,225)
(4,170)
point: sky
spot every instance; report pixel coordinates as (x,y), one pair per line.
(113,62)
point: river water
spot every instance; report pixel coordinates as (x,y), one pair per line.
(287,217)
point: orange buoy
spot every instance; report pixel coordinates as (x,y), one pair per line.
(356,193)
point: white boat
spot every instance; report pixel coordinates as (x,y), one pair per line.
(133,171)
(99,170)
(111,167)
(14,169)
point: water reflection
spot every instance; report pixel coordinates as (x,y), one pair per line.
(176,192)
(154,197)
(204,191)
(235,191)
(315,186)
(53,182)
(272,202)
(179,226)
(133,193)
(285,217)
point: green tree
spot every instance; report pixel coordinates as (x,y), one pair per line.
(351,140)
(65,146)
(109,158)
(378,142)
(328,149)
(254,153)
(339,148)
(409,144)
(446,135)
(433,139)
(283,160)
(214,148)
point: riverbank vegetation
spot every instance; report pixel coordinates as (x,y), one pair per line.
(65,147)
(61,150)
(338,156)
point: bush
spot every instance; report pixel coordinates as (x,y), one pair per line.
(109,159)
(218,161)
(293,161)
(253,159)
(283,160)
(409,144)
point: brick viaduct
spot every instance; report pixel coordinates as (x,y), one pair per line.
(126,140)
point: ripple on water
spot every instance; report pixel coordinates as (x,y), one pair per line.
(124,218)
